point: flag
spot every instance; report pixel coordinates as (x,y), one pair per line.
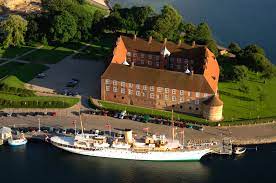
(107,125)
(146,129)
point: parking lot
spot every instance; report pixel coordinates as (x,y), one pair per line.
(61,74)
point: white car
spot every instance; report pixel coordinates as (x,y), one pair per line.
(122,115)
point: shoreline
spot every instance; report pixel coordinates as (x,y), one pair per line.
(240,135)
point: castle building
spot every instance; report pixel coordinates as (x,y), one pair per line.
(164,75)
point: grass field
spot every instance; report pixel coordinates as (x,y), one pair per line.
(25,72)
(52,54)
(152,112)
(14,52)
(243,106)
(13,81)
(99,49)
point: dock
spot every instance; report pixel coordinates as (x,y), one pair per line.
(225,147)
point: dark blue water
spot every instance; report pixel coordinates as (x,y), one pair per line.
(242,21)
(41,163)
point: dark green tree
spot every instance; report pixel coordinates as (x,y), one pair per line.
(234,48)
(13,31)
(64,27)
(203,34)
(240,72)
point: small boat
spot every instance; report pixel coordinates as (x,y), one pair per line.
(239,150)
(18,141)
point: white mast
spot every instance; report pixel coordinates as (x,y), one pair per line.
(80,118)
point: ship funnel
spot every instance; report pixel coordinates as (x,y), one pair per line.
(128,136)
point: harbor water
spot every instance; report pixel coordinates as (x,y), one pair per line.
(43,163)
(242,21)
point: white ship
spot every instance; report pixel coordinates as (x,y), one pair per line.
(154,148)
(148,148)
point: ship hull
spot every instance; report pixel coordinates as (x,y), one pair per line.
(191,155)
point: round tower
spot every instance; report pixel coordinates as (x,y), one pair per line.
(212,108)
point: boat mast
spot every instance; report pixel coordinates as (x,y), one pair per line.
(80,118)
(172,126)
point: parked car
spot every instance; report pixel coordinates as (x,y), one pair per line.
(199,128)
(41,76)
(122,114)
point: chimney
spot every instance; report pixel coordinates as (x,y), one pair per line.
(193,44)
(132,65)
(150,39)
(179,42)
(135,37)
(165,41)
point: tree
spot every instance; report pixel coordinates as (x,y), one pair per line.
(64,27)
(13,30)
(166,24)
(234,48)
(203,34)
(212,45)
(251,49)
(190,32)
(240,72)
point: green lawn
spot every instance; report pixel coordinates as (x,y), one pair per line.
(152,112)
(14,52)
(99,49)
(10,98)
(25,72)
(52,54)
(244,106)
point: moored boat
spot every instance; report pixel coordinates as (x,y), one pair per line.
(239,150)
(17,141)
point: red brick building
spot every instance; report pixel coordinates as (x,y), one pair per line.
(164,76)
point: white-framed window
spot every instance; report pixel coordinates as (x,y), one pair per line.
(107,88)
(115,83)
(151,88)
(197,94)
(157,64)
(173,98)
(189,101)
(138,93)
(173,91)
(157,58)
(123,84)
(123,90)
(130,91)
(129,54)
(107,81)
(145,87)
(150,56)
(159,89)
(196,102)
(115,89)
(182,92)
(178,60)
(205,94)
(149,62)
(142,55)
(152,95)
(142,61)
(167,90)
(166,97)
(130,85)
(181,99)
(137,86)
(189,93)
(143,94)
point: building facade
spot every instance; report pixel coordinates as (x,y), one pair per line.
(161,75)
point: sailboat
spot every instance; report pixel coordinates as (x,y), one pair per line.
(149,148)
